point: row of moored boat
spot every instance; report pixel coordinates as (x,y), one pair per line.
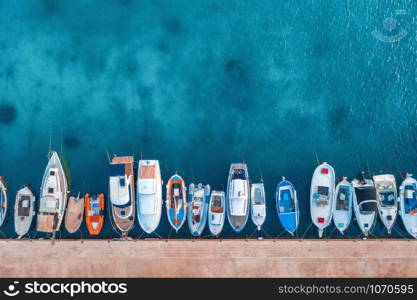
(200,205)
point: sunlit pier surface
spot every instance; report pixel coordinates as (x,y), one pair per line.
(209,258)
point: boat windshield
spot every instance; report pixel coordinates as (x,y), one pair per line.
(387,198)
(367,207)
(239,174)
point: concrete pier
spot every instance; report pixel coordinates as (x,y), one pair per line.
(209,258)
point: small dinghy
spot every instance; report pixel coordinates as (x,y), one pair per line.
(122,193)
(217,212)
(258,204)
(24,210)
(364,203)
(287,206)
(342,213)
(386,190)
(408,204)
(237,196)
(198,201)
(149,195)
(3,200)
(322,196)
(53,196)
(94,213)
(74,214)
(176,203)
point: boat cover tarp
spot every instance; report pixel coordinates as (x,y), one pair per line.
(363,194)
(117,170)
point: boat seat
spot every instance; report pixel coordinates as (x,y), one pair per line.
(25,203)
(216,209)
(323,190)
(176,192)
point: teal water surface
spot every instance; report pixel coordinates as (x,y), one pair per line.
(201,84)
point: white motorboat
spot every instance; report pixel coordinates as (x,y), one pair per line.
(386,190)
(217,212)
(408,204)
(258,204)
(364,203)
(238,196)
(149,195)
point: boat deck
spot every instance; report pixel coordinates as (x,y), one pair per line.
(209,258)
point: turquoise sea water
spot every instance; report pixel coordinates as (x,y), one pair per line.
(201,84)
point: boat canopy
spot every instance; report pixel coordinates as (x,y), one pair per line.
(117,170)
(119,191)
(365,193)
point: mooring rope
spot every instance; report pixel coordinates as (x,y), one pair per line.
(309,226)
(282,232)
(397,231)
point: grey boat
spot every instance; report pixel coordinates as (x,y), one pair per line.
(24,210)
(198,201)
(238,196)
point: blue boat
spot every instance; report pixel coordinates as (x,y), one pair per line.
(287,206)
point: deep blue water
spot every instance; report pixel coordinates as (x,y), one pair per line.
(201,84)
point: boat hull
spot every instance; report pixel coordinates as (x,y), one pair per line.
(387,199)
(408,205)
(94,213)
(149,195)
(53,196)
(122,194)
(198,202)
(3,200)
(287,206)
(74,214)
(342,213)
(364,204)
(217,211)
(176,202)
(322,196)
(24,210)
(258,204)
(238,194)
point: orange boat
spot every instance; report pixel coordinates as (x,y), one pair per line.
(94,213)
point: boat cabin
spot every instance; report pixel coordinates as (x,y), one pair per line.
(119,189)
